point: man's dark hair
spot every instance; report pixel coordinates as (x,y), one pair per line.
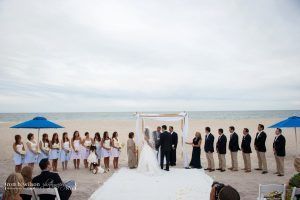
(171,127)
(221,130)
(130,135)
(207,129)
(279,129)
(44,163)
(164,127)
(261,126)
(231,128)
(229,193)
(246,129)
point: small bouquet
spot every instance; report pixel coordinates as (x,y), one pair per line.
(22,152)
(46,149)
(55,146)
(273,196)
(122,146)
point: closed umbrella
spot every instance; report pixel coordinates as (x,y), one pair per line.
(37,123)
(291,122)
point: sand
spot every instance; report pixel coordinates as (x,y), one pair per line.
(87,183)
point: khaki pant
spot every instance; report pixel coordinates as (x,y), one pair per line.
(262,162)
(247,161)
(222,161)
(210,161)
(234,160)
(280,164)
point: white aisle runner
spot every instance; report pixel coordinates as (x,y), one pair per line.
(183,184)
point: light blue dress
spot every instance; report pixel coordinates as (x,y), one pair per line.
(18,158)
(54,152)
(31,157)
(43,154)
(64,155)
(98,149)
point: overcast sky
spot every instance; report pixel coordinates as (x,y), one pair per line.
(127,55)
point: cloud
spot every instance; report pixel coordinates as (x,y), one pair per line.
(133,55)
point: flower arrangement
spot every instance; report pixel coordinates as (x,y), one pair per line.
(22,152)
(273,196)
(55,146)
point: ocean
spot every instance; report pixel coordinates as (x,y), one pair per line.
(19,117)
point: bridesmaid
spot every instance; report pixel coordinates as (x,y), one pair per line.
(32,151)
(65,150)
(115,151)
(19,149)
(97,143)
(195,161)
(44,147)
(54,152)
(76,146)
(86,144)
(131,151)
(106,147)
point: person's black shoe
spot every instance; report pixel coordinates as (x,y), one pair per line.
(219,169)
(207,169)
(223,170)
(259,169)
(280,175)
(264,172)
(166,169)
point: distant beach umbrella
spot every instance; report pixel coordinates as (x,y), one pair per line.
(291,122)
(37,123)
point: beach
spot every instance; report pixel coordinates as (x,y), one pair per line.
(246,183)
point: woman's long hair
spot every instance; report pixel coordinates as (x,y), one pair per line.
(55,138)
(64,138)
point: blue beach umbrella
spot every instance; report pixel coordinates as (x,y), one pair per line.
(37,123)
(291,122)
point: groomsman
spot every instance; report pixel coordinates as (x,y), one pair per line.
(221,149)
(156,136)
(234,148)
(165,147)
(174,146)
(260,147)
(209,149)
(279,151)
(246,149)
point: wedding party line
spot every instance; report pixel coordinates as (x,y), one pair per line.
(81,148)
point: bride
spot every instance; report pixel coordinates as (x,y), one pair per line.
(148,163)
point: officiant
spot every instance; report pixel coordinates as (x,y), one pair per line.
(174,146)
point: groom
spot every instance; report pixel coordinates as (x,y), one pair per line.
(165,144)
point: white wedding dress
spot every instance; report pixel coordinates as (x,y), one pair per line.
(148,163)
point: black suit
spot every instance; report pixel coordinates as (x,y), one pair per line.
(260,141)
(165,148)
(221,144)
(209,143)
(246,144)
(234,142)
(279,146)
(50,180)
(174,147)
